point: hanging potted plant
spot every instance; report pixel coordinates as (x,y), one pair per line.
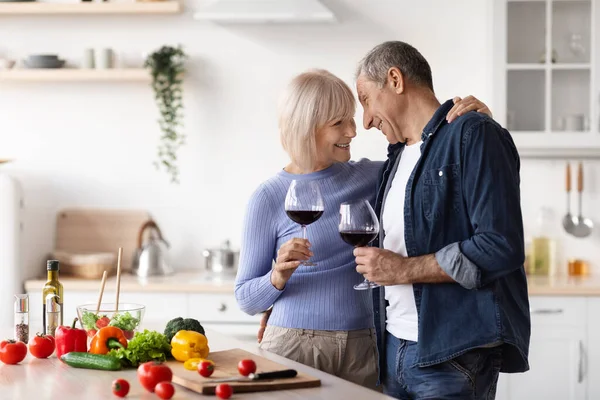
(167,67)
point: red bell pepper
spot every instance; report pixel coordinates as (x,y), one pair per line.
(70,339)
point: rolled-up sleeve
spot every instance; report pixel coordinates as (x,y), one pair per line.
(490,184)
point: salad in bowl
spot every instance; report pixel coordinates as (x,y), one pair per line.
(127,318)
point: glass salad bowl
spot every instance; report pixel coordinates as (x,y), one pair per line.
(128,317)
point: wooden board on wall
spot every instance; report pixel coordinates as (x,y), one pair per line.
(100,230)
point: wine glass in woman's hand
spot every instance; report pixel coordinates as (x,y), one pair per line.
(304,205)
(359,226)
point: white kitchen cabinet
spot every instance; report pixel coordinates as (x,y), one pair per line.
(558,354)
(546,80)
(219,312)
(593,354)
(556,361)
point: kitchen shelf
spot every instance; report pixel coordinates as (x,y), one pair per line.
(266,11)
(525,67)
(541,67)
(137,7)
(75,75)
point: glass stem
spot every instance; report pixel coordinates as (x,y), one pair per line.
(303,231)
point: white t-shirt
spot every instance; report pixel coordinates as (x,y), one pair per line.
(402,320)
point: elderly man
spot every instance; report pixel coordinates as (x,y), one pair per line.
(453,309)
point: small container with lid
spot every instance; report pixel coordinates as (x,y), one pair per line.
(22,318)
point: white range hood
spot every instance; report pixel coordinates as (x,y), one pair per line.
(265,11)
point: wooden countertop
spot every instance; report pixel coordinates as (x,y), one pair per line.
(563,286)
(201,282)
(181,281)
(50,379)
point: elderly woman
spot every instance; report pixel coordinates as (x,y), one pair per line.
(317,318)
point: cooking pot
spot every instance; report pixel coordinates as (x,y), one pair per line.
(223,260)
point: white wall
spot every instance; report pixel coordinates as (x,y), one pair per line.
(92,145)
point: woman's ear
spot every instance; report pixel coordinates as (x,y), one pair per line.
(396,80)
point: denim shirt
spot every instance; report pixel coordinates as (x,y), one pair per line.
(463,205)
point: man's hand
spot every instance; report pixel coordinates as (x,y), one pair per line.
(381,266)
(263,324)
(388,268)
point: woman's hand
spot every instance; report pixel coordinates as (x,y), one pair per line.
(463,106)
(289,257)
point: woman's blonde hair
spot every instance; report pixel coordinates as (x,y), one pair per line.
(311,100)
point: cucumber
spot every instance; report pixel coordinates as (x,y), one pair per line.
(91,361)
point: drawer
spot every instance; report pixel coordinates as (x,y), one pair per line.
(558,311)
(218,308)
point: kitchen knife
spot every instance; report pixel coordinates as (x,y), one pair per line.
(286,373)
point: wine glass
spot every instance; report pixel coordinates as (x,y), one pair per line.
(304,205)
(359,226)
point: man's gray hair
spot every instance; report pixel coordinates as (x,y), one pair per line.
(414,67)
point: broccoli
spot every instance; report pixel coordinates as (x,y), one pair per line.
(180,324)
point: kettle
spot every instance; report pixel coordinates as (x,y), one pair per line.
(149,259)
(223,260)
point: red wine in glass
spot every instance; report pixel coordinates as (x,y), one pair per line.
(304,217)
(304,205)
(358,227)
(358,238)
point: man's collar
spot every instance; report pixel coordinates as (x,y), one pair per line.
(432,126)
(439,117)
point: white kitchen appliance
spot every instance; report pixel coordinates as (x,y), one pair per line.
(11,276)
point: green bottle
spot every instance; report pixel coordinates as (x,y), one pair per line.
(52,288)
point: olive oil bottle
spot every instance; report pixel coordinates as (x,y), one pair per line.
(52,288)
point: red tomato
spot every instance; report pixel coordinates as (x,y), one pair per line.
(246,367)
(42,346)
(224,391)
(120,387)
(12,352)
(206,368)
(151,373)
(91,332)
(165,390)
(102,322)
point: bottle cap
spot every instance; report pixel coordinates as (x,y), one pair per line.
(21,303)
(52,265)
(52,305)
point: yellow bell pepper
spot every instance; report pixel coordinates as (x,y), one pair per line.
(192,363)
(189,344)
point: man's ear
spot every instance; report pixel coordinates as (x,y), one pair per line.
(396,80)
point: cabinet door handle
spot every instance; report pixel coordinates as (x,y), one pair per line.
(580,372)
(223,307)
(547,311)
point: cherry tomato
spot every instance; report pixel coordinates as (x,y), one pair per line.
(42,346)
(12,352)
(102,322)
(120,387)
(224,391)
(206,368)
(91,332)
(152,373)
(164,390)
(246,367)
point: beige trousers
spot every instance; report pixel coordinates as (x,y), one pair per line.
(350,355)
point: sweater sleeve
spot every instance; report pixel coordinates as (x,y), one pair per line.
(253,289)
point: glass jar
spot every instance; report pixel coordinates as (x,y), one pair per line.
(22,318)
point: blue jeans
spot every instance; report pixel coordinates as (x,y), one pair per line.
(472,375)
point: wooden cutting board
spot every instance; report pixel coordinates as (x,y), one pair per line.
(100,230)
(226,367)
